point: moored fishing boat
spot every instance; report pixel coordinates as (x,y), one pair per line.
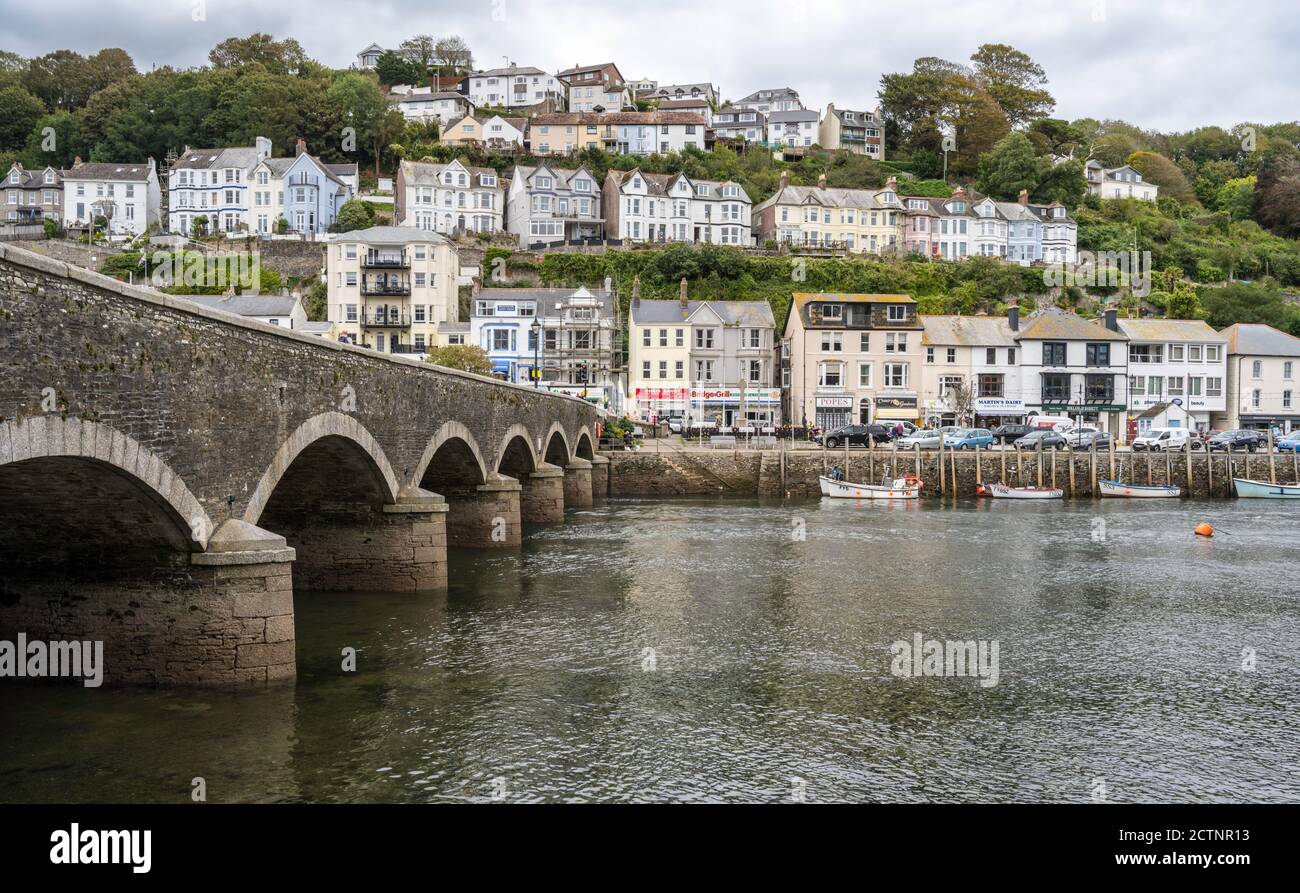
(1264,490)
(1134,491)
(902,488)
(1002,491)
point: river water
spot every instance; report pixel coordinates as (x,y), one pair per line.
(701,650)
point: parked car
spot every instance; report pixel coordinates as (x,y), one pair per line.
(926,440)
(1049,440)
(969,439)
(1239,440)
(856,435)
(1083,440)
(675,425)
(1010,433)
(1289,442)
(1160,440)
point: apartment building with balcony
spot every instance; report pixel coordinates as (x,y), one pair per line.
(851,358)
(862,133)
(643,207)
(391,288)
(782,99)
(548,205)
(571,337)
(797,128)
(596,88)
(513,86)
(733,123)
(856,220)
(710,362)
(214,184)
(1177,374)
(448,198)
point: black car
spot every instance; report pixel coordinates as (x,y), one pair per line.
(1010,433)
(857,435)
(1247,441)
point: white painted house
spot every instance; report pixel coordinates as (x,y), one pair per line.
(514,87)
(425,104)
(1119,182)
(548,205)
(449,198)
(645,207)
(214,184)
(127,195)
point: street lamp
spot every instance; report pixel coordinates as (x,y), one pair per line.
(536,329)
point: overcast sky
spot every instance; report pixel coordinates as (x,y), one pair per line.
(1165,64)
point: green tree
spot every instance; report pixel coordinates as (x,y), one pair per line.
(1010,167)
(420,50)
(1237,198)
(60,146)
(1184,303)
(353,215)
(1015,82)
(21,112)
(1164,173)
(276,56)
(465,357)
(393,68)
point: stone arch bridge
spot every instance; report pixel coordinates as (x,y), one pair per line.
(169,473)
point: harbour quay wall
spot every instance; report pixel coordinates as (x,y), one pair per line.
(794,473)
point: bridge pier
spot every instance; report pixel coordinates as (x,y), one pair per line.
(542,498)
(356,547)
(221,617)
(486,517)
(577,484)
(599,477)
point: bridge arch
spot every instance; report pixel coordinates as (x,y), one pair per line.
(52,447)
(460,459)
(555,448)
(584,448)
(330,430)
(516,455)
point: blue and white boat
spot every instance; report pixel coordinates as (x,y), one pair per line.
(1264,490)
(1133,491)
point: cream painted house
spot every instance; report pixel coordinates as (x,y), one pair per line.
(970,372)
(391,288)
(859,220)
(1262,367)
(851,359)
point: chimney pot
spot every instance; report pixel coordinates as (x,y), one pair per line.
(785,179)
(1112,319)
(684,299)
(821,182)
(1024,197)
(1013,314)
(892,184)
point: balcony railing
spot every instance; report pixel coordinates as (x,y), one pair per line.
(378,290)
(386,261)
(386,321)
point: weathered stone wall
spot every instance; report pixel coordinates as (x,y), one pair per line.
(236,622)
(794,474)
(486,518)
(216,397)
(542,498)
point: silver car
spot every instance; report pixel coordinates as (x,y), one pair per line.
(926,440)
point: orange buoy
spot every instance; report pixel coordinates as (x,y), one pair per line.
(1205,530)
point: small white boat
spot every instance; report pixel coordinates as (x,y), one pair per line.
(1002,491)
(902,488)
(1264,490)
(1133,491)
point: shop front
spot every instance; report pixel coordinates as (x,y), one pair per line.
(1284,424)
(734,407)
(661,403)
(1106,416)
(991,412)
(898,408)
(834,412)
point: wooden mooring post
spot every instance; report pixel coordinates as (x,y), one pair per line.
(1092,468)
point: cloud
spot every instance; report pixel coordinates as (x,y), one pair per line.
(1165,65)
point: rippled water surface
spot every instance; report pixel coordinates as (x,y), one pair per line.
(714,651)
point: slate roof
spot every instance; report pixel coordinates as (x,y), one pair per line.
(1051,324)
(792,117)
(751,314)
(549,299)
(1260,340)
(391,235)
(968,331)
(1194,330)
(138,172)
(506,72)
(247,305)
(424,173)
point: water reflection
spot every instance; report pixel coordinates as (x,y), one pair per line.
(705,651)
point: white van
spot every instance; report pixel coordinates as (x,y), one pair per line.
(1058,423)
(1159,440)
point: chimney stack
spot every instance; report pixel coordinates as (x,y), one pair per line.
(892,184)
(300,148)
(821,182)
(683,297)
(76,162)
(636,291)
(1112,319)
(1024,197)
(1013,314)
(609,285)
(476,285)
(959,192)
(785,179)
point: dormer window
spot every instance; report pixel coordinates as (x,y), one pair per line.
(916,204)
(49,177)
(1058,212)
(489,180)
(832,312)
(14,176)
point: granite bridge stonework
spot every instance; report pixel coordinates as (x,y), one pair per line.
(169,473)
